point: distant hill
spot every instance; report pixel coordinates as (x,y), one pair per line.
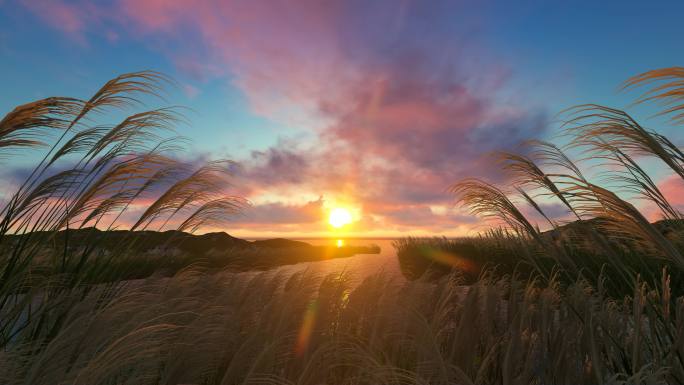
(672,229)
(280,243)
(172,250)
(417,255)
(141,241)
(664,225)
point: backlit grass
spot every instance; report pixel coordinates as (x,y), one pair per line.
(599,301)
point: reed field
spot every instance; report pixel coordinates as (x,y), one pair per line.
(596,297)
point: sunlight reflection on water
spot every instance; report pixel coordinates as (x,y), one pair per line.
(359,266)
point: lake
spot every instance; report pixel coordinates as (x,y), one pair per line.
(360,266)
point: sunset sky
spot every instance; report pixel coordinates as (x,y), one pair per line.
(377,106)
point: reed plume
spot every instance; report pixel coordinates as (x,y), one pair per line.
(593,125)
(93,175)
(526,172)
(666,89)
(616,317)
(26,124)
(486,200)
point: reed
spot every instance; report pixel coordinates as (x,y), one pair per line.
(596,301)
(94,174)
(305,329)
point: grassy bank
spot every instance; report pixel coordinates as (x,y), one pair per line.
(613,263)
(596,301)
(215,329)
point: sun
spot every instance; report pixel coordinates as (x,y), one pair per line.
(339,217)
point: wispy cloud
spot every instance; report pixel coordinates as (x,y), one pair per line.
(400,99)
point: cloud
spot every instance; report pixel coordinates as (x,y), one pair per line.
(402,100)
(402,141)
(673,189)
(70,18)
(279,213)
(190,91)
(276,165)
(421,215)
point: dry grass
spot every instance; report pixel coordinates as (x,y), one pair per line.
(560,312)
(92,174)
(224,329)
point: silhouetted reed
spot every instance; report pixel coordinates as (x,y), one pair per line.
(595,301)
(95,175)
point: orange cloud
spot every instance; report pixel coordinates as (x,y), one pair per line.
(396,111)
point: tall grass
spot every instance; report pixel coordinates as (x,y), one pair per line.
(93,174)
(598,301)
(618,235)
(196,328)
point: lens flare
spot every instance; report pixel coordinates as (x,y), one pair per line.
(305,330)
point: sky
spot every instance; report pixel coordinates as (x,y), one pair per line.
(377,106)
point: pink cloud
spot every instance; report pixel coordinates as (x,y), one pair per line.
(190,91)
(262,44)
(398,109)
(279,213)
(67,17)
(673,189)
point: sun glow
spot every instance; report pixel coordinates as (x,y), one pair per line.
(339,217)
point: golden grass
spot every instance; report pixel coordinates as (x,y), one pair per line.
(91,175)
(221,328)
(563,324)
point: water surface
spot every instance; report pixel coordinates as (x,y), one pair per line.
(359,266)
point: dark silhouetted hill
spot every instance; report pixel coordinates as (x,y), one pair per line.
(170,251)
